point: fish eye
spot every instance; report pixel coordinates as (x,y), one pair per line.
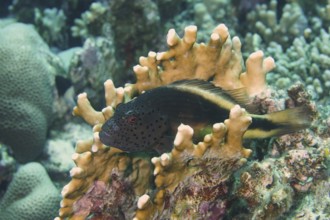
(131,119)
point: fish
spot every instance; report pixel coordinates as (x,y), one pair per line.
(148,123)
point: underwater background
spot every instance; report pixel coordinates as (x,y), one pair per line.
(52,51)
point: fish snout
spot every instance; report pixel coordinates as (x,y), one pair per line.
(108,132)
(105,138)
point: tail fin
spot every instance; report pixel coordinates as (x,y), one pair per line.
(279,123)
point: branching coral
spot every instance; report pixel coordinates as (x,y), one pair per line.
(221,58)
(324,13)
(91,21)
(144,21)
(190,178)
(132,33)
(273,26)
(208,164)
(205,14)
(304,62)
(7,167)
(302,55)
(93,65)
(50,24)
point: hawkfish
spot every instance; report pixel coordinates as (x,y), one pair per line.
(149,122)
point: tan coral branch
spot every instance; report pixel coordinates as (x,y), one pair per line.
(254,79)
(220,59)
(224,144)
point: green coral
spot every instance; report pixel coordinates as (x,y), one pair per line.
(50,24)
(91,21)
(267,22)
(91,66)
(7,167)
(26,90)
(30,196)
(304,62)
(132,25)
(205,14)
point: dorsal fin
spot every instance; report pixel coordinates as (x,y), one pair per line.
(205,85)
(242,98)
(238,96)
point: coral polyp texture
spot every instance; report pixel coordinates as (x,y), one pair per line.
(30,195)
(27,85)
(109,183)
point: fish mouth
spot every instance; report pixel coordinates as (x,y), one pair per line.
(105,138)
(108,140)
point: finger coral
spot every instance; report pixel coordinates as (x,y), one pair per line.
(273,26)
(305,62)
(190,178)
(220,59)
(107,182)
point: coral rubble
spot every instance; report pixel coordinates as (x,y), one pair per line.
(271,187)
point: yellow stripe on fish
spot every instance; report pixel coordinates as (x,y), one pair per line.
(149,122)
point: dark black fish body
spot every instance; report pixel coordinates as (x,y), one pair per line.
(149,122)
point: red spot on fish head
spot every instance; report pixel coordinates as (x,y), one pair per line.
(132,119)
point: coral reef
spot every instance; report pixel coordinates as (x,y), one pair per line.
(7,167)
(287,172)
(50,24)
(57,157)
(91,21)
(31,195)
(112,43)
(270,186)
(186,60)
(272,26)
(143,21)
(205,14)
(303,62)
(284,177)
(93,65)
(315,206)
(27,73)
(209,163)
(52,18)
(191,178)
(131,34)
(302,56)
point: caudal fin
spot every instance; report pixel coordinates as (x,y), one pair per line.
(279,123)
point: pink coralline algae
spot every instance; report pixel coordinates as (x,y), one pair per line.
(271,186)
(107,201)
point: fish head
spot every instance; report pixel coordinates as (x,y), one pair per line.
(134,127)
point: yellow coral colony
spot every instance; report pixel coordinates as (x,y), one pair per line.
(219,59)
